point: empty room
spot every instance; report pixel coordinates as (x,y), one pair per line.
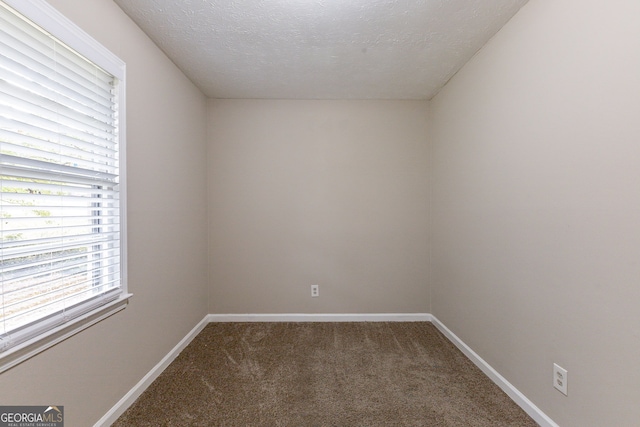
(323,212)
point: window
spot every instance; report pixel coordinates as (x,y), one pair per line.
(62,188)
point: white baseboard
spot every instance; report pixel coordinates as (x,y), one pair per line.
(300,317)
(520,399)
(127,400)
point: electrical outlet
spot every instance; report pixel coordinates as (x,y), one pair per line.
(315,291)
(560,379)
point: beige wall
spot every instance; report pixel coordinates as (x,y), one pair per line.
(536,206)
(166,118)
(333,193)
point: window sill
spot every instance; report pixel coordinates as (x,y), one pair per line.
(22,352)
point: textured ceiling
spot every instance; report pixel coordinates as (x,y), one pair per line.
(320,49)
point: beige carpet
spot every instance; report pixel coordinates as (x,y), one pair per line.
(323,374)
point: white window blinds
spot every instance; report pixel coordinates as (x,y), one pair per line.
(60,232)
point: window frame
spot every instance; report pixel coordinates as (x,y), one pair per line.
(51,20)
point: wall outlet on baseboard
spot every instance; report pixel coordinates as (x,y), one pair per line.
(560,379)
(315,291)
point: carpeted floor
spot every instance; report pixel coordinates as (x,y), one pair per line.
(323,374)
